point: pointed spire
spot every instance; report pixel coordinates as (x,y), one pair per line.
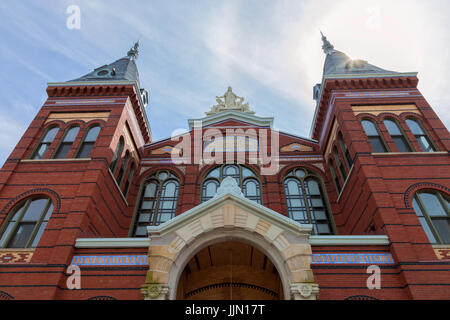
(327,46)
(134,51)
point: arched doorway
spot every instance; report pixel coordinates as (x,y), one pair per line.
(230,270)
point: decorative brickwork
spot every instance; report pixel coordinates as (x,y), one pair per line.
(11,257)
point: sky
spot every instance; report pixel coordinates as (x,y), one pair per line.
(191,51)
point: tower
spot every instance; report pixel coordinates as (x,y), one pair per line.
(72,170)
(387,154)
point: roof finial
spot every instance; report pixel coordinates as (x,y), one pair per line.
(134,51)
(327,46)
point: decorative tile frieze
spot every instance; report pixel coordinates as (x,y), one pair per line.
(10,257)
(442,253)
(352,258)
(119,260)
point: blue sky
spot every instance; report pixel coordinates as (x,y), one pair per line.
(191,51)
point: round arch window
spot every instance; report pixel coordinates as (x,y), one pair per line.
(26,223)
(246,179)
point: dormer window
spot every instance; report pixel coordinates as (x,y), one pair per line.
(103,73)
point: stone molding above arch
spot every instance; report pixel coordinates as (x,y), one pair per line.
(230,217)
(419,186)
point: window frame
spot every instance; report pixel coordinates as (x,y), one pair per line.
(23,206)
(402,134)
(61,141)
(117,154)
(379,135)
(344,149)
(309,175)
(337,183)
(83,140)
(38,145)
(151,178)
(426,215)
(425,134)
(242,180)
(127,183)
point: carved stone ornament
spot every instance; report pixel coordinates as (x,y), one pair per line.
(230,101)
(155,291)
(229,185)
(302,291)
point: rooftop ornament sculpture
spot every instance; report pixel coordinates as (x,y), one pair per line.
(134,51)
(230,101)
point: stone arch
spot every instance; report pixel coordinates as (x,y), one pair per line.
(235,234)
(284,241)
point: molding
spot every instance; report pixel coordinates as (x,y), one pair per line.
(56,160)
(360,240)
(239,116)
(371,75)
(112,243)
(89,83)
(407,153)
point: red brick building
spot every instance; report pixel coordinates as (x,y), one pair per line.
(231,209)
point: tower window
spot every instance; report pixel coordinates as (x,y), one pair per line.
(116,155)
(335,177)
(67,142)
(158,201)
(128,181)
(345,151)
(339,164)
(27,222)
(421,137)
(433,211)
(245,178)
(375,139)
(306,201)
(123,167)
(397,136)
(45,143)
(88,142)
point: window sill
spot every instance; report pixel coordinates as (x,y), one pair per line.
(345,183)
(118,187)
(407,153)
(55,160)
(17,249)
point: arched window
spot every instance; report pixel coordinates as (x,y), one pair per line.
(158,202)
(433,210)
(26,223)
(421,137)
(45,143)
(88,142)
(335,177)
(306,201)
(116,155)
(345,151)
(124,166)
(66,144)
(397,136)
(244,177)
(375,139)
(128,181)
(339,163)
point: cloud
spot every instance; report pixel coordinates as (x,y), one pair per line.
(268,51)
